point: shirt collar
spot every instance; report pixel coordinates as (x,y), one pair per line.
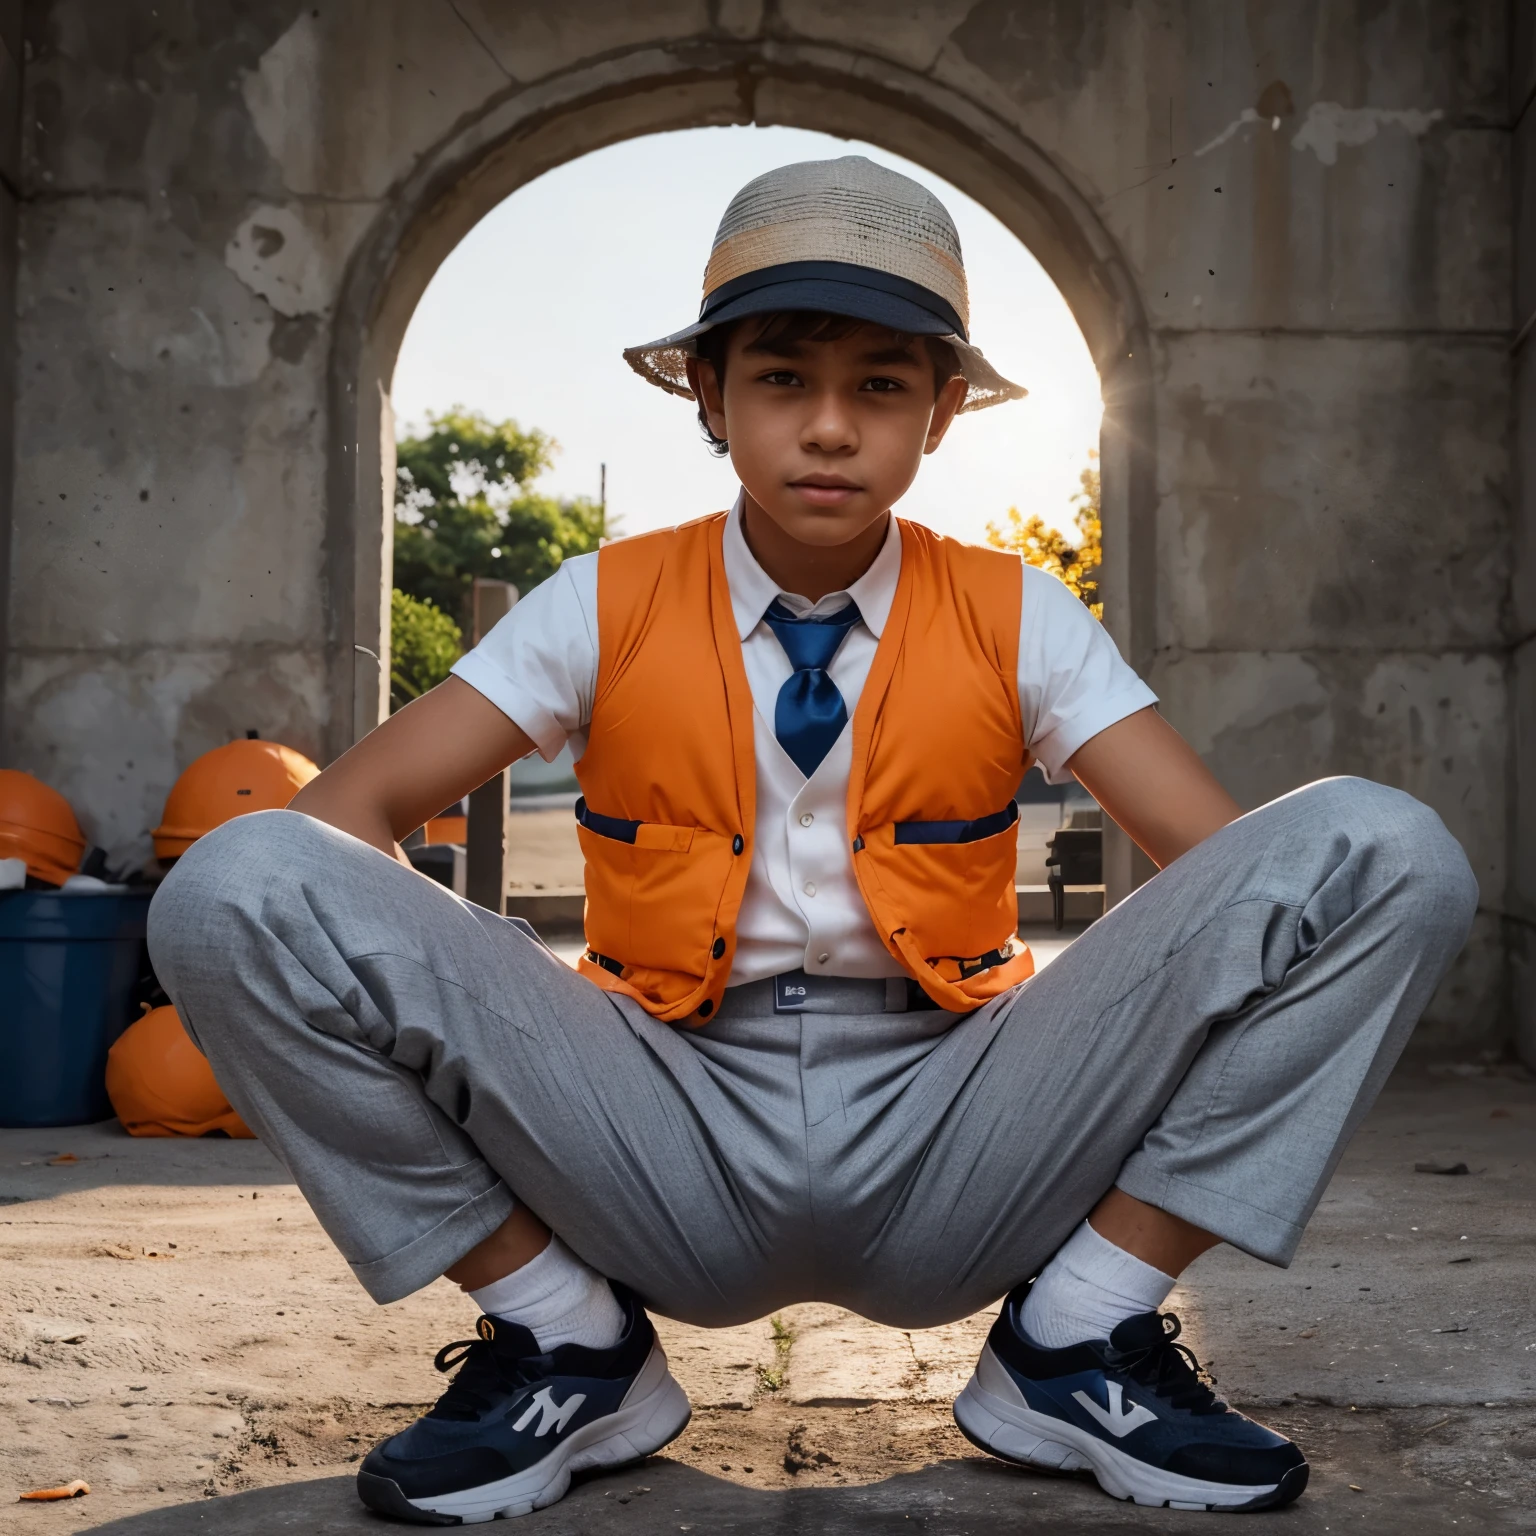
(753,589)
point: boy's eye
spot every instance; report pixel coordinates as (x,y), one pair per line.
(781,376)
(882,386)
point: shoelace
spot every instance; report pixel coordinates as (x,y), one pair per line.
(1171,1370)
(482,1376)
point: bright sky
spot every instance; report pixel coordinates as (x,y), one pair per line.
(528,316)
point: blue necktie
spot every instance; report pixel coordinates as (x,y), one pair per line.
(810,714)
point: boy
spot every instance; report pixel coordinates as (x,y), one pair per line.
(803,1057)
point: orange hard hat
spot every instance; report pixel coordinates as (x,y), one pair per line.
(160,1084)
(445,829)
(243,776)
(36,824)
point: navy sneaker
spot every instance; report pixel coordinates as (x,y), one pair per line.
(1133,1409)
(507,1434)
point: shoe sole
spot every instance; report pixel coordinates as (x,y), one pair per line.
(992,1415)
(655,1411)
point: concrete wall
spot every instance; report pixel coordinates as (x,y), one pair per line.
(1521,924)
(10,191)
(1284,227)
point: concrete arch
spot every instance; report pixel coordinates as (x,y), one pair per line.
(649,90)
(215,232)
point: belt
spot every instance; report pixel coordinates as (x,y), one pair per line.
(797,992)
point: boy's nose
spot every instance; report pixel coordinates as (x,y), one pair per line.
(830,426)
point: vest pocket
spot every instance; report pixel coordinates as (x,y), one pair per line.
(655,835)
(653,892)
(614,827)
(956,831)
(947,884)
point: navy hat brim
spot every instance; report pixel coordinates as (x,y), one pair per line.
(831,288)
(831,298)
(834,288)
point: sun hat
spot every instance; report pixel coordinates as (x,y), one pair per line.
(841,237)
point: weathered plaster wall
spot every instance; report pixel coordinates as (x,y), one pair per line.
(10,188)
(1520,928)
(1305,204)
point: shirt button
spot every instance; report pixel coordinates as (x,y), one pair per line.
(822,959)
(807,819)
(810,887)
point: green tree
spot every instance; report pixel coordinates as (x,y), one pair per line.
(465,507)
(423,644)
(1052,550)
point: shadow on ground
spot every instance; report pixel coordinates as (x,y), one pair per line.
(41,1163)
(1399,1350)
(971,1497)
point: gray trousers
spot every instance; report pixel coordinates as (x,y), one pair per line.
(419,1064)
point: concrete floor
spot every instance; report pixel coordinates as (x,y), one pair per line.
(1400,1350)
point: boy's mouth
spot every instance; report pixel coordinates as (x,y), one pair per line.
(826,490)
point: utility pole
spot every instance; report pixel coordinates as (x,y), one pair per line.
(602,490)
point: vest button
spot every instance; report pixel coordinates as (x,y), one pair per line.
(719,950)
(807,819)
(706,1008)
(736,844)
(822,959)
(810,887)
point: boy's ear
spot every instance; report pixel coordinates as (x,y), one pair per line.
(945,408)
(705,385)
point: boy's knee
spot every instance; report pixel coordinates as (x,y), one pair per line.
(198,910)
(1408,837)
(1440,873)
(260,839)
(1350,804)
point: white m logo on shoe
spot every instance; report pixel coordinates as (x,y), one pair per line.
(550,1416)
(1117,1418)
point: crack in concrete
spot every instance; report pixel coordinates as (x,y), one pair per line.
(484,46)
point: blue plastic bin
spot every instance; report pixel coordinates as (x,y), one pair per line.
(68,967)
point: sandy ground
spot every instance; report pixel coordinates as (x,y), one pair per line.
(543,853)
(179,1331)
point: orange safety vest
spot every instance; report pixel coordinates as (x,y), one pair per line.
(669,780)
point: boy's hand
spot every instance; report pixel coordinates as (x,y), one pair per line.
(1152,782)
(417,763)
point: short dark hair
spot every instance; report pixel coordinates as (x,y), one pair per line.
(787,327)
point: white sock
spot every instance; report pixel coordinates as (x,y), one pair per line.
(557,1297)
(1087,1289)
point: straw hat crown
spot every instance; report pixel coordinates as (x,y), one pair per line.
(844,237)
(848,210)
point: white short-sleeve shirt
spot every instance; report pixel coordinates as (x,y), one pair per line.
(802,907)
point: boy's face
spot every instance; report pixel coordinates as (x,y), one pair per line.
(826,435)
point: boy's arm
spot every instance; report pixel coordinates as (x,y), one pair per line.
(1152,782)
(430,754)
